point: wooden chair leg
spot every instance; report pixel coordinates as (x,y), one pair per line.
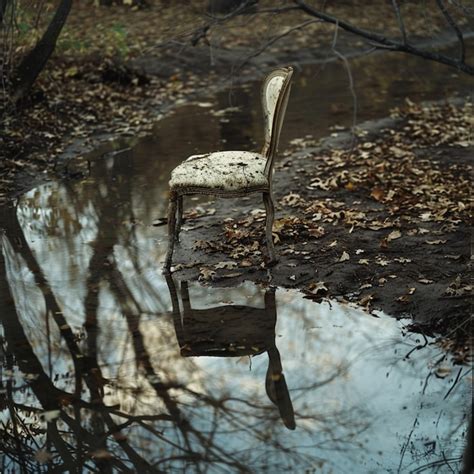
(171,228)
(270,215)
(180,217)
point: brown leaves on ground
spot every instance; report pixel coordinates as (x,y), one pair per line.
(402,169)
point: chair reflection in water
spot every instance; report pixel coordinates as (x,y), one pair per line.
(233,331)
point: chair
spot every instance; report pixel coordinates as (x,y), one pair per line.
(234,173)
(233,331)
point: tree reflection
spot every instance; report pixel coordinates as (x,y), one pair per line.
(106,364)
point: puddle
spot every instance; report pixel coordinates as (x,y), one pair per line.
(106,359)
(109,367)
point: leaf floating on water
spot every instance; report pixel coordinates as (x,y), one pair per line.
(442,372)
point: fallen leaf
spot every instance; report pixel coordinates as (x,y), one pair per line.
(227,265)
(396,234)
(402,260)
(345,256)
(206,274)
(365,301)
(317,288)
(425,281)
(377,194)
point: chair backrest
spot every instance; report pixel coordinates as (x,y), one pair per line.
(275,93)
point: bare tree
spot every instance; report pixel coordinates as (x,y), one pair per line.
(35,61)
(371,36)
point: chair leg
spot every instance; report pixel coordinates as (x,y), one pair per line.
(180,217)
(171,228)
(270,215)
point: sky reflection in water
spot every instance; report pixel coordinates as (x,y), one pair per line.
(97,314)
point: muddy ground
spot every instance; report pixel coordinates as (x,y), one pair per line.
(382,222)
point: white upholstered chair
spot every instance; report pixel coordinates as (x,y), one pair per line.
(234,173)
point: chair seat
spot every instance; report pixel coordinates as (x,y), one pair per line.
(222,170)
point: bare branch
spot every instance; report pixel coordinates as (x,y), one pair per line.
(387,43)
(455,27)
(274,39)
(467,10)
(401,24)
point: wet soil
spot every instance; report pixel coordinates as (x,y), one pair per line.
(420,274)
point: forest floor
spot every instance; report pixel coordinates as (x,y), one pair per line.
(382,221)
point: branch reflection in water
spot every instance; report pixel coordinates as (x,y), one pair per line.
(94,378)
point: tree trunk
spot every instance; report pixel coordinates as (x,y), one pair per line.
(35,61)
(3,9)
